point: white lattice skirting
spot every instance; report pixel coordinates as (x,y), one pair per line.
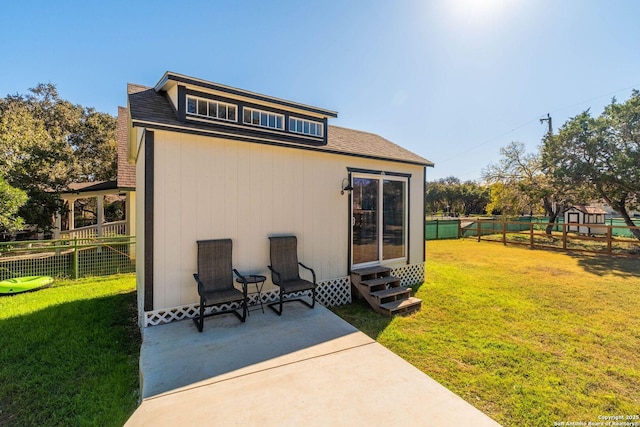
(329,293)
(411,274)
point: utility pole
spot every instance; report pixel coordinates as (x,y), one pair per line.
(548,119)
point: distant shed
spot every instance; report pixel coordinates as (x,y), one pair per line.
(585,219)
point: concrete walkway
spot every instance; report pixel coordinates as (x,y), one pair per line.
(305,368)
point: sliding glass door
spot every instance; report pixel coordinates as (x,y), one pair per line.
(378,219)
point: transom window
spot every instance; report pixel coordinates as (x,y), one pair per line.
(262,118)
(211,109)
(306,127)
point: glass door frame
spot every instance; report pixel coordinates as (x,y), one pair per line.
(381,176)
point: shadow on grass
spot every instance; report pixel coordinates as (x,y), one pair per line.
(360,314)
(74,363)
(602,265)
(415,288)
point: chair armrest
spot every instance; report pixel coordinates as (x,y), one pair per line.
(200,285)
(273,274)
(244,281)
(313,273)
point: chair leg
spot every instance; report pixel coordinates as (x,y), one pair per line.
(271,306)
(199,321)
(301,299)
(242,316)
(313,293)
(313,299)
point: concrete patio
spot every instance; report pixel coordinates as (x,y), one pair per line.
(307,367)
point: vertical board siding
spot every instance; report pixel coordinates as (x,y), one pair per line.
(140,229)
(189,185)
(209,188)
(173,210)
(160,236)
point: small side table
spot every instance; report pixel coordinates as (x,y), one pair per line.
(258,281)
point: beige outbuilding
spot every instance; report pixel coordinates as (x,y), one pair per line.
(213,161)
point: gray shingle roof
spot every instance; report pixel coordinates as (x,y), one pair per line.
(126,171)
(149,108)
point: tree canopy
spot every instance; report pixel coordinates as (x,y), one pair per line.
(48,143)
(11,199)
(451,195)
(601,155)
(522,182)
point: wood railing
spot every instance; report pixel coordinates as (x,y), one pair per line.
(110,229)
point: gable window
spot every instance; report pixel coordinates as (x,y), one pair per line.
(262,118)
(211,109)
(306,127)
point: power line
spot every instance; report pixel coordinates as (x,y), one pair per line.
(457,155)
(597,97)
(487,141)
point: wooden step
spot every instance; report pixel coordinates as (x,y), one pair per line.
(366,271)
(391,292)
(404,306)
(381,281)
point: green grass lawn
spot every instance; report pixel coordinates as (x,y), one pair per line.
(69,354)
(530,337)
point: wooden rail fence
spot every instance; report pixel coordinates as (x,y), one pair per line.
(593,238)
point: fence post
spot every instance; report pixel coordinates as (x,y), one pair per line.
(531,234)
(504,233)
(609,238)
(437,231)
(479,228)
(76,258)
(564,236)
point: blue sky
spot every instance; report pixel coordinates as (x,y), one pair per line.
(451,80)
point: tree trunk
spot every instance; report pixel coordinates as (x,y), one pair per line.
(629,221)
(548,211)
(552,220)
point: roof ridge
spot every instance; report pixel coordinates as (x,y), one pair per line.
(135,87)
(358,130)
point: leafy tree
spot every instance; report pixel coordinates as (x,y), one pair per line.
(48,143)
(451,195)
(507,200)
(515,186)
(442,195)
(601,155)
(10,201)
(95,147)
(474,197)
(526,185)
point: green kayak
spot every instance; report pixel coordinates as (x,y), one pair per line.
(24,284)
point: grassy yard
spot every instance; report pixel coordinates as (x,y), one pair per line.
(530,337)
(69,354)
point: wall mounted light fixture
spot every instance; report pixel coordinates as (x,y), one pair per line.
(346,185)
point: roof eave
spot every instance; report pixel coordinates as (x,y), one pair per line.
(172,128)
(170,76)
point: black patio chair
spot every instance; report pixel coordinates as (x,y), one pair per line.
(285,271)
(215,280)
